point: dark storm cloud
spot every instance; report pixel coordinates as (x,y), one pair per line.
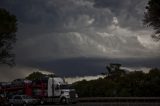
(57,14)
(30,11)
(64,15)
(34,16)
(92,66)
(52,34)
(129,12)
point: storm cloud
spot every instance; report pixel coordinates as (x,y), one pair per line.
(53,31)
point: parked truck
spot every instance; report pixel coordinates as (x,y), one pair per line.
(46,90)
(54,90)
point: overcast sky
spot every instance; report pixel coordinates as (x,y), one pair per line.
(80,37)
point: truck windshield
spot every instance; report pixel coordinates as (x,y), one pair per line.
(66,87)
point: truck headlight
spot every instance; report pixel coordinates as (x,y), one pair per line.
(76,95)
(68,95)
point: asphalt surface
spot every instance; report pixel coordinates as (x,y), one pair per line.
(108,104)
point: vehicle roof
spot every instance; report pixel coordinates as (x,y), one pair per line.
(19,95)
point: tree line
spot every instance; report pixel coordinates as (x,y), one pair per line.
(131,84)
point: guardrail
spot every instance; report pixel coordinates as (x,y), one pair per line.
(121,99)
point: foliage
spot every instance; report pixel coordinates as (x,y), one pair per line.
(38,75)
(152,17)
(114,71)
(8,28)
(35,75)
(131,84)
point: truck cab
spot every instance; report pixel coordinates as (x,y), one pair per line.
(65,93)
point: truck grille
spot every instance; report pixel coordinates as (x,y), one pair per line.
(72,94)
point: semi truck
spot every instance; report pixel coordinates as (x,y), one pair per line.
(54,90)
(46,89)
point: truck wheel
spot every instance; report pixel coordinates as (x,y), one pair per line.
(11,104)
(74,102)
(24,104)
(64,101)
(41,102)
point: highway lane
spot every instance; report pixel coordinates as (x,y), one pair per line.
(108,104)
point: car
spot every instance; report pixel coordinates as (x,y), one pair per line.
(3,100)
(22,100)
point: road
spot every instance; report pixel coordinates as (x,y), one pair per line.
(109,104)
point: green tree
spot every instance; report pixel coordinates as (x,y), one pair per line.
(38,75)
(132,84)
(152,17)
(8,28)
(35,75)
(114,71)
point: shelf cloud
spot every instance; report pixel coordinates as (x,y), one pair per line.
(53,31)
